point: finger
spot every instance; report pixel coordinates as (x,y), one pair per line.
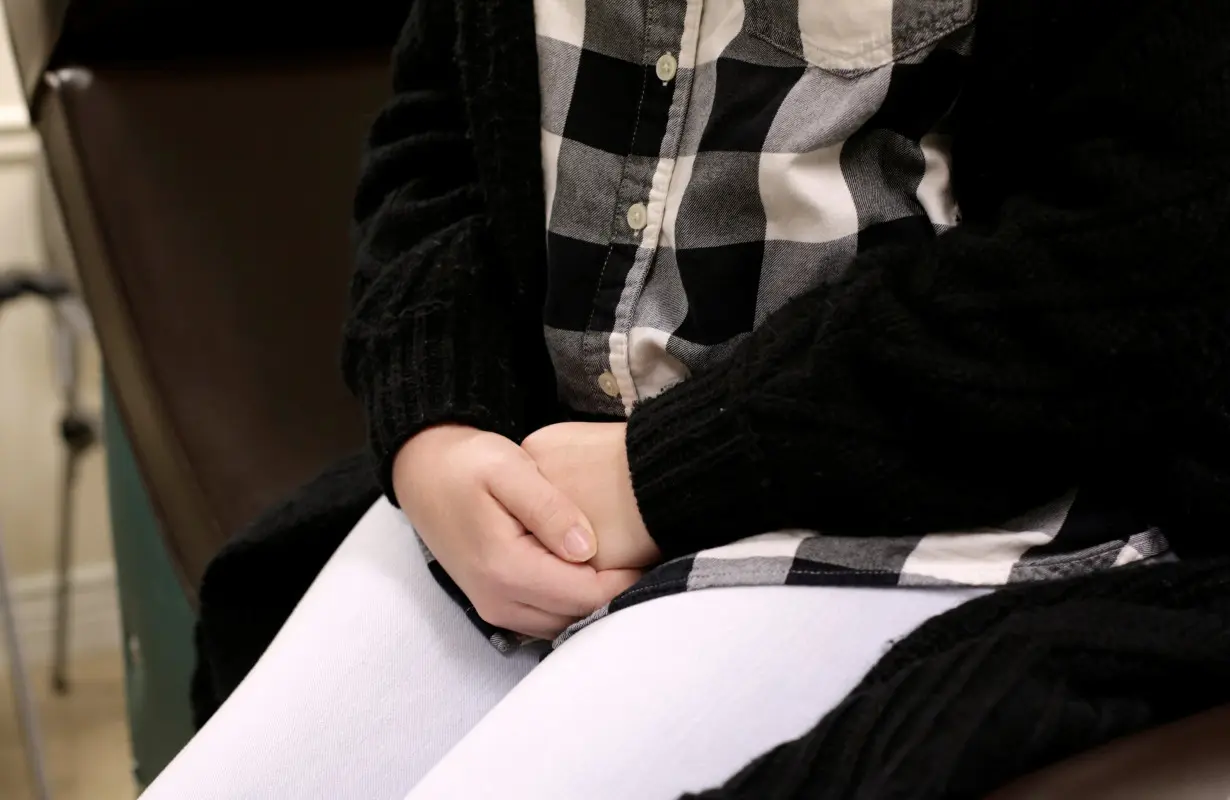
(545,511)
(614,582)
(514,565)
(525,619)
(544,581)
(538,623)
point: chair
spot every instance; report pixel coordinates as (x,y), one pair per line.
(203,159)
(1186,760)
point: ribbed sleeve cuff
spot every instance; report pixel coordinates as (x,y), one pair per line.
(697,472)
(447,366)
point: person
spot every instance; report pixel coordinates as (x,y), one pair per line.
(723,344)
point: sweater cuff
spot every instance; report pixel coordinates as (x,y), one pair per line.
(445,367)
(699,476)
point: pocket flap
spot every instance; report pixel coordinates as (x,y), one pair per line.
(853,36)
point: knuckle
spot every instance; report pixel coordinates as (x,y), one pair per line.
(485,464)
(495,463)
(549,512)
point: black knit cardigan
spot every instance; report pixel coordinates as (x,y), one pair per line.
(1075,327)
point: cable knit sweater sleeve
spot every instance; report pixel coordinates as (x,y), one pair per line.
(434,312)
(1075,326)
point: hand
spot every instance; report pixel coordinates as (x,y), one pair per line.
(589,463)
(472,496)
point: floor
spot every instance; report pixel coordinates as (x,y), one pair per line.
(84,732)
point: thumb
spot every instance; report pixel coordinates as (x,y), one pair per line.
(545,511)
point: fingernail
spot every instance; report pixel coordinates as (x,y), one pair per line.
(578,544)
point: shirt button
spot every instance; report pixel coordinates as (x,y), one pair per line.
(668,67)
(608,384)
(638,216)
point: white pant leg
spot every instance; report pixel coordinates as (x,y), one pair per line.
(375,676)
(677,694)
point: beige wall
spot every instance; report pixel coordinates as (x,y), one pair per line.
(30,406)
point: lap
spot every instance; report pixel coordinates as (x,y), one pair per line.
(379,686)
(679,693)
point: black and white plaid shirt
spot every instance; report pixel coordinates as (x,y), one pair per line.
(707,160)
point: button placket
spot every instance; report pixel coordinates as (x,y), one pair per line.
(642,197)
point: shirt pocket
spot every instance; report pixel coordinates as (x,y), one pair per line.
(855,36)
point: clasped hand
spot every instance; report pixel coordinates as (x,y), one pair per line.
(537,536)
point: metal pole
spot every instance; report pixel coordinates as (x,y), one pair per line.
(14,285)
(22,696)
(64,558)
(73,443)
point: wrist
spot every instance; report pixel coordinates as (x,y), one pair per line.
(423,447)
(649,551)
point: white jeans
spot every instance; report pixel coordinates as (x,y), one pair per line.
(378,687)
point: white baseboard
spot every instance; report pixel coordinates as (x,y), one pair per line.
(94,616)
(18,142)
(14,117)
